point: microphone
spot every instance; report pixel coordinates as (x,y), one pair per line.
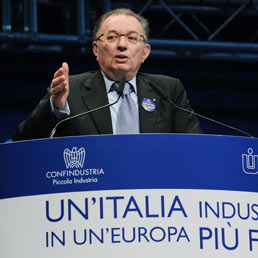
(166,97)
(120,91)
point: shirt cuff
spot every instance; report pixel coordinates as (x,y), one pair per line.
(60,113)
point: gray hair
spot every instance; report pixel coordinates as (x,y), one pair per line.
(121,11)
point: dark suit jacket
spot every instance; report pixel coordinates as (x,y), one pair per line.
(88,91)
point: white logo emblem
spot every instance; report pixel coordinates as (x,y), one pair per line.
(74,158)
(250,162)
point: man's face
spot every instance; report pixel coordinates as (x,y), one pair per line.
(120,58)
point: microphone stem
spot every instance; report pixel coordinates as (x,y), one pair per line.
(209,119)
(81,114)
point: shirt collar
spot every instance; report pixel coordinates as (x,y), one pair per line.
(109,82)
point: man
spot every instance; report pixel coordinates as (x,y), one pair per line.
(120,47)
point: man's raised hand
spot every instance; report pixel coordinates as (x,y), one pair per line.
(59,88)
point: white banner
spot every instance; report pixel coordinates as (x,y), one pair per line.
(131,223)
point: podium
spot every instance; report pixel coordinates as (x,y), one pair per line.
(165,195)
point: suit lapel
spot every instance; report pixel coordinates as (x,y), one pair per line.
(147,119)
(95,95)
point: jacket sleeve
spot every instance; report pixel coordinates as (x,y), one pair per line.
(39,123)
(184,122)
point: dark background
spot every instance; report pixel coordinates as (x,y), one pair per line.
(210,45)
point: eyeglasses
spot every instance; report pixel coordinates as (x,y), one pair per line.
(114,37)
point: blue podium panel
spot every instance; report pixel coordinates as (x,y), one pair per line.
(122,195)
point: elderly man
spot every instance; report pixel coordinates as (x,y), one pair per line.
(120,47)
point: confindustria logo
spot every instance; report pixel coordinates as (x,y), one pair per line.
(75,171)
(74,158)
(250,162)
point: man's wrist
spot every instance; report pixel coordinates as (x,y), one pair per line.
(60,113)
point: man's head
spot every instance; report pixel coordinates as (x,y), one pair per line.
(120,44)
